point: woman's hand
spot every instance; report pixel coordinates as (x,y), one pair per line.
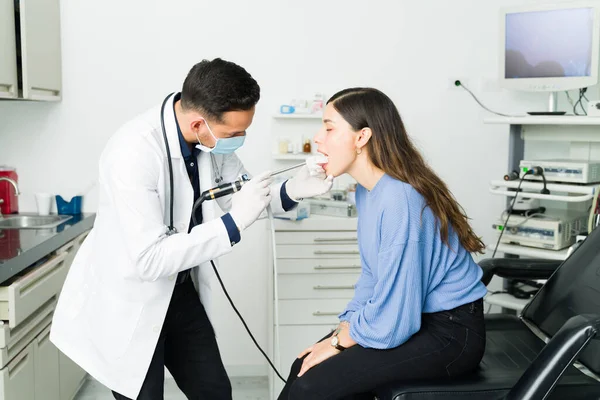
(318,353)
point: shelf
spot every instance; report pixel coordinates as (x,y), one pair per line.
(544,120)
(298,116)
(506,300)
(530,251)
(582,192)
(300,156)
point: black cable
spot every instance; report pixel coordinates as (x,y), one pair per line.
(580,103)
(510,210)
(244,322)
(459,83)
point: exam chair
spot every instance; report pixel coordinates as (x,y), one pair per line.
(518,364)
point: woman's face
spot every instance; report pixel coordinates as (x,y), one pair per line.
(337,140)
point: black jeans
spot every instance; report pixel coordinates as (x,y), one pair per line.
(449,343)
(188,348)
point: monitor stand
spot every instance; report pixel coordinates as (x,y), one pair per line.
(552,106)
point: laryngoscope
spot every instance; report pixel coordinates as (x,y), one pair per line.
(229,188)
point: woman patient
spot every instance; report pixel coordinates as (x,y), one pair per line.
(417,311)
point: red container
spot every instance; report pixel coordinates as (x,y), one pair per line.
(7,191)
(10,244)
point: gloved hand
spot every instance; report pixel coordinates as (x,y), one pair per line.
(251,200)
(309,181)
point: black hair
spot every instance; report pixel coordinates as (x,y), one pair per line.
(218,86)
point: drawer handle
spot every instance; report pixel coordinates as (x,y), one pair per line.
(336,252)
(326,267)
(318,240)
(43,337)
(325,313)
(18,365)
(6,87)
(325,287)
(42,273)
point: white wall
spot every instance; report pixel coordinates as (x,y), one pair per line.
(121,57)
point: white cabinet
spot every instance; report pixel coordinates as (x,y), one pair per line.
(31,367)
(30,67)
(18,377)
(8,49)
(318,264)
(71,377)
(46,367)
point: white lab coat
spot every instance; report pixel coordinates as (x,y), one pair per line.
(115,298)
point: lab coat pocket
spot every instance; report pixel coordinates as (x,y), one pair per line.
(113,321)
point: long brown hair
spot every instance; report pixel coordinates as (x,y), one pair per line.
(391,150)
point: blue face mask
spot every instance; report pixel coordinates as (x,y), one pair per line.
(222,146)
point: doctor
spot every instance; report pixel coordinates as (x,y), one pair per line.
(136,296)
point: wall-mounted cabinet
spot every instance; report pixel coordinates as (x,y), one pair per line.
(30,66)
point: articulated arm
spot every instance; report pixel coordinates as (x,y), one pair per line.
(542,375)
(516,268)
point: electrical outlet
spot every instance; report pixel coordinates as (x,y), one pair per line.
(452,83)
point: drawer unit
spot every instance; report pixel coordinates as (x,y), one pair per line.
(13,341)
(318,265)
(25,294)
(31,367)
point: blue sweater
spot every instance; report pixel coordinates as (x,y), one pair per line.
(406,268)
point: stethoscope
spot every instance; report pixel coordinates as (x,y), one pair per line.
(219,178)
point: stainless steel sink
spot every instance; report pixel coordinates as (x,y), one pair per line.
(32,221)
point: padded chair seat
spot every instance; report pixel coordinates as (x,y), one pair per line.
(510,349)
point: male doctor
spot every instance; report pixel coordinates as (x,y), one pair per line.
(134,299)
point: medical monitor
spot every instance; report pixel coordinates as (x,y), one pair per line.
(550,48)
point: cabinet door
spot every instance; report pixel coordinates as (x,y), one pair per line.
(8,50)
(40,49)
(18,377)
(46,367)
(71,377)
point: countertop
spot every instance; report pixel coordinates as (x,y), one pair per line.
(21,248)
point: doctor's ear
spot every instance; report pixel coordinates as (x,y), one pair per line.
(197,123)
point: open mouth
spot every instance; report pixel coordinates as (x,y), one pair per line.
(323,161)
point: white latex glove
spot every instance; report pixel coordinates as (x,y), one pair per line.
(251,200)
(309,181)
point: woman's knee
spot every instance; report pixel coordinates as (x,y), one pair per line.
(302,389)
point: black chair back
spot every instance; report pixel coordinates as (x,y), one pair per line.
(573,289)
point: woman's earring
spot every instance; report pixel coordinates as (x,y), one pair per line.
(358,151)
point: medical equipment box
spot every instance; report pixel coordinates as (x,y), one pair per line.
(301,211)
(554,230)
(564,170)
(334,208)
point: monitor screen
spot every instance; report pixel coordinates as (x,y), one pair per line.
(549,44)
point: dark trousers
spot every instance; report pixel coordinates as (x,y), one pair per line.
(188,348)
(449,343)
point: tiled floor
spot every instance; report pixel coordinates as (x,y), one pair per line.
(243,389)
